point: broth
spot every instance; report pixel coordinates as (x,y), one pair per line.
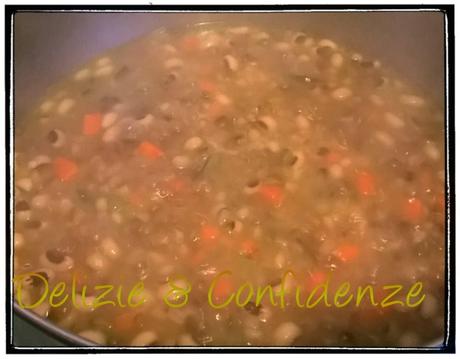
(204,150)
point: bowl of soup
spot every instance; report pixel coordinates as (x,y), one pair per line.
(231,179)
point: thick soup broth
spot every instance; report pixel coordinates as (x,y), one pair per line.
(189,153)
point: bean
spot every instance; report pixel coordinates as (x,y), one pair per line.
(111,134)
(341,93)
(286,333)
(94,336)
(38,161)
(231,62)
(282,46)
(170,48)
(240,30)
(104,61)
(56,138)
(56,260)
(46,106)
(243,213)
(327,43)
(431,151)
(18,240)
(25,184)
(384,138)
(40,201)
(65,106)
(173,63)
(96,261)
(82,75)
(393,120)
(299,38)
(42,309)
(269,122)
(110,248)
(280,260)
(109,119)
(86,305)
(412,100)
(186,340)
(181,162)
(193,143)
(144,339)
(104,71)
(337,60)
(261,36)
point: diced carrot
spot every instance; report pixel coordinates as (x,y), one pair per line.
(125,322)
(273,194)
(315,279)
(92,124)
(248,247)
(207,86)
(365,183)
(223,288)
(347,252)
(65,169)
(209,234)
(413,210)
(190,43)
(149,150)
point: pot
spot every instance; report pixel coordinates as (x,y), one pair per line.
(47,46)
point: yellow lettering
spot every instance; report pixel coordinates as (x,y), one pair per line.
(57,292)
(362,292)
(106,289)
(341,292)
(248,297)
(211,292)
(414,291)
(135,291)
(397,288)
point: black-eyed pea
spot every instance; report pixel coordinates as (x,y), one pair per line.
(110,248)
(412,100)
(65,105)
(94,336)
(231,63)
(193,143)
(25,184)
(144,339)
(286,333)
(18,240)
(96,261)
(341,93)
(56,260)
(82,75)
(186,340)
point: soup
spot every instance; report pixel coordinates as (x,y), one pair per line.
(211,182)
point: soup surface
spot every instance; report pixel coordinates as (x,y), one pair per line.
(212,157)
